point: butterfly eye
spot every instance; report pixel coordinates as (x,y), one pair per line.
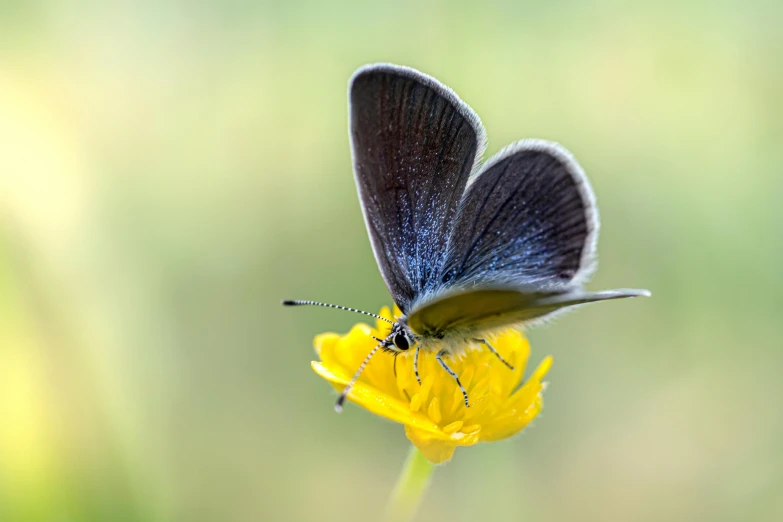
(401,341)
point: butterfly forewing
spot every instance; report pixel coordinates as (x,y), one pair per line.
(414,145)
(473,309)
(472,312)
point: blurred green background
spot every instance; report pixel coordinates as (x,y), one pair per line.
(170,171)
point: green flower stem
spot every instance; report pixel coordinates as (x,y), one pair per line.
(410,488)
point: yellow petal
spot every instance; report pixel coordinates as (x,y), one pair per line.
(473,428)
(519,353)
(374,400)
(434,410)
(325,344)
(511,426)
(520,409)
(355,346)
(435,450)
(426,387)
(457,399)
(416,402)
(542,369)
(387,314)
(453,427)
(466,377)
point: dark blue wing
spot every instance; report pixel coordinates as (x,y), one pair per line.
(414,146)
(528,221)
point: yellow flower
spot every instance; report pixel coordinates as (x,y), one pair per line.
(434,413)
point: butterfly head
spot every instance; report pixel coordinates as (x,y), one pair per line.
(400,339)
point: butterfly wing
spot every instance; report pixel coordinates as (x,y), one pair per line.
(485,309)
(528,219)
(414,145)
(523,242)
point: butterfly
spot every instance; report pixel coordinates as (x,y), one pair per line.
(466,249)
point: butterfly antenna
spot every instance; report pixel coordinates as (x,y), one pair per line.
(338,406)
(288,302)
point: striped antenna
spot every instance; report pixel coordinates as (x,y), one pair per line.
(338,406)
(338,307)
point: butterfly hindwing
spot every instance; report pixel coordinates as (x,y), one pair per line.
(414,146)
(527,219)
(522,244)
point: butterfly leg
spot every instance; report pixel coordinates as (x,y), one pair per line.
(492,349)
(439,357)
(416,364)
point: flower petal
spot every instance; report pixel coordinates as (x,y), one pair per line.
(386,314)
(375,400)
(522,407)
(510,426)
(434,449)
(325,344)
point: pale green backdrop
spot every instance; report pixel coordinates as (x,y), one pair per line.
(170,170)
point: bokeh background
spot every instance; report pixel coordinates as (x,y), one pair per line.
(170,170)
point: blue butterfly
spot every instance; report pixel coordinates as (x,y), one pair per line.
(466,249)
